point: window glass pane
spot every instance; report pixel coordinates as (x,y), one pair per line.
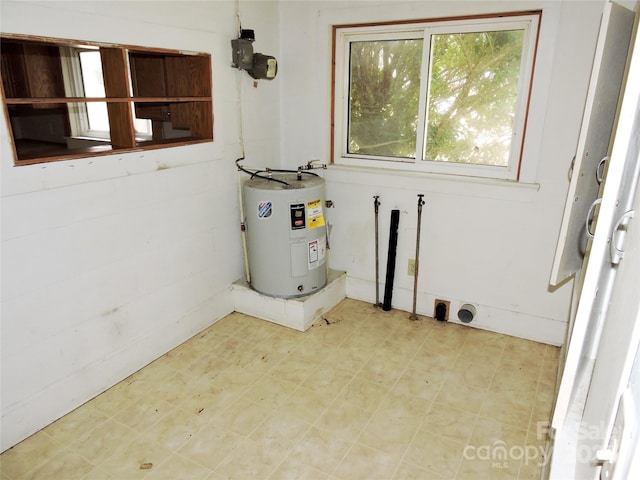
(384,91)
(93,83)
(472,96)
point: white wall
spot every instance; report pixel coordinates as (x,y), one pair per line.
(109,262)
(488,243)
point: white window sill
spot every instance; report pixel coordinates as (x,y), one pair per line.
(433,182)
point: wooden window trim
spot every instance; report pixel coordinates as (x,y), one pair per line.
(188,107)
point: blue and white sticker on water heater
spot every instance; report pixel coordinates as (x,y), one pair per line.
(264,209)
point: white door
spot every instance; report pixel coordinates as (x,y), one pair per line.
(606,331)
(595,272)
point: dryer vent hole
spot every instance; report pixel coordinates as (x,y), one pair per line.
(467,313)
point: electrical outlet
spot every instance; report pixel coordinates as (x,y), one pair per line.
(411,267)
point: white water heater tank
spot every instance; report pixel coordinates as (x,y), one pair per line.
(286,233)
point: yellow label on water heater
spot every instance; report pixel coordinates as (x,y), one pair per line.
(314,214)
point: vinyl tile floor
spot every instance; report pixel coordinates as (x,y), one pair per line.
(363,394)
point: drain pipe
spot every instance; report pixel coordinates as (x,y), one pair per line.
(391,259)
(413,315)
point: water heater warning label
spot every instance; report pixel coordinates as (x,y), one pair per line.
(315,218)
(317,252)
(264,209)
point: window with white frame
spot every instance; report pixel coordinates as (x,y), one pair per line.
(443,96)
(84,78)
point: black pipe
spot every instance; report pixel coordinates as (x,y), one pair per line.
(391,259)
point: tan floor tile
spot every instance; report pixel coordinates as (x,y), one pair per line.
(270,390)
(391,437)
(525,348)
(411,334)
(29,454)
(236,379)
(256,331)
(306,404)
(66,464)
(492,469)
(176,428)
(363,394)
(488,432)
(331,331)
(291,469)
(66,429)
(250,460)
(294,370)
(327,381)
(320,449)
(242,416)
(210,446)
(434,345)
(143,414)
(347,357)
(115,399)
(397,405)
(530,471)
(177,466)
(433,361)
(382,370)
(514,380)
(552,353)
(285,340)
(362,462)
(520,366)
(472,373)
(310,351)
(184,355)
(344,420)
(397,350)
(450,422)
(435,453)
(173,388)
(350,309)
(456,394)
(513,408)
(107,439)
(418,384)
(127,462)
(98,473)
(408,471)
(280,431)
(207,364)
(484,339)
(206,400)
(489,356)
(549,372)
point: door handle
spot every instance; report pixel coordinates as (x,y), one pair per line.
(600,169)
(617,237)
(589,219)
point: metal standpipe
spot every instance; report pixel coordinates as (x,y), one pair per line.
(413,315)
(376,205)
